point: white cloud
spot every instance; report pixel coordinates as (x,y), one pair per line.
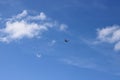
(110,34)
(38,55)
(20,29)
(41,16)
(63,27)
(24,25)
(21,15)
(52,43)
(107,34)
(117,46)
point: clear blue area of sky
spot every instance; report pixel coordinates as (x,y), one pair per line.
(18,60)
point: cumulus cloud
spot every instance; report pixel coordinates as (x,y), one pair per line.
(24,25)
(110,34)
(19,29)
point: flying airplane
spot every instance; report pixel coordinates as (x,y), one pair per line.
(66,40)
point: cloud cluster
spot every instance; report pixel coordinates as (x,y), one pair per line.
(110,34)
(24,25)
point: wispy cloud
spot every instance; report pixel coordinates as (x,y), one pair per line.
(23,25)
(21,15)
(82,63)
(94,64)
(92,4)
(17,4)
(53,42)
(63,27)
(38,55)
(41,16)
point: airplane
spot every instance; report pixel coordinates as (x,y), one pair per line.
(65,40)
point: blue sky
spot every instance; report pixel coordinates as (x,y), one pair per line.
(32,37)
